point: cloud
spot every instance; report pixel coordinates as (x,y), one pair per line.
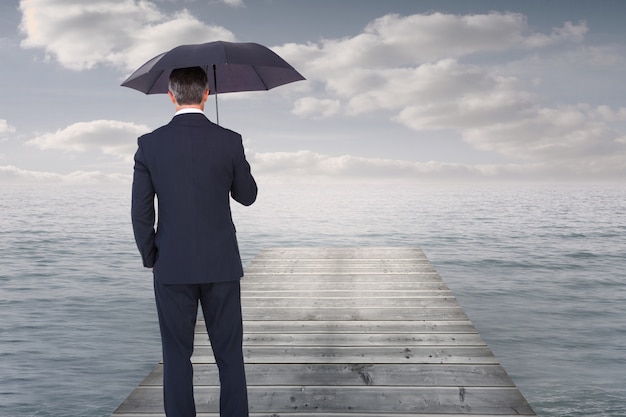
(305,166)
(5,127)
(413,68)
(10,174)
(399,61)
(233,3)
(309,106)
(425,72)
(399,41)
(109,137)
(564,133)
(123,34)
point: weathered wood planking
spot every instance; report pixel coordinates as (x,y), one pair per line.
(355,374)
(355,339)
(359,400)
(350,332)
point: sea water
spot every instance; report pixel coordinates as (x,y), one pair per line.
(539,269)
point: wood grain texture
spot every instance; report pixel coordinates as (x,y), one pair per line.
(350,332)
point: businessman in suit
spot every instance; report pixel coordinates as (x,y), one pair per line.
(193,166)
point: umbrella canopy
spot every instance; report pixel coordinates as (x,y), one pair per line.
(234,66)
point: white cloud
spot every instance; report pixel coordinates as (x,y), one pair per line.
(600,56)
(416,69)
(313,107)
(233,3)
(565,133)
(124,34)
(608,114)
(399,41)
(412,67)
(310,167)
(399,62)
(308,164)
(432,87)
(10,174)
(109,137)
(5,127)
(305,166)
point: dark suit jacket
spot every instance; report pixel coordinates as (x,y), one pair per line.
(193,166)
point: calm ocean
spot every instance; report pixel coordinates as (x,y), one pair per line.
(540,270)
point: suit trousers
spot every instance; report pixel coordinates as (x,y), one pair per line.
(177,308)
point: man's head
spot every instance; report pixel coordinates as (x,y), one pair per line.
(188,86)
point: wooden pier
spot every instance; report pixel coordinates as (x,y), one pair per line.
(350,332)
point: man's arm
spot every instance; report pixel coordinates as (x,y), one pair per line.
(142,211)
(244,188)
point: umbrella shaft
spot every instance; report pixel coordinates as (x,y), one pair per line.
(217,113)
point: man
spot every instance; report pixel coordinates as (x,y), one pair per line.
(192,166)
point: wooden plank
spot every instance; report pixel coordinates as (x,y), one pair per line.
(333,270)
(366,314)
(276,257)
(348,339)
(340,253)
(353,303)
(356,264)
(425,375)
(366,294)
(336,258)
(354,327)
(350,332)
(354,375)
(358,354)
(355,400)
(308,414)
(301,286)
(341,276)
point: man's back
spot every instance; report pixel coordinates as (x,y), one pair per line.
(193,166)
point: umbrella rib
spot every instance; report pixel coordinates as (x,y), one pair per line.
(259,76)
(157,79)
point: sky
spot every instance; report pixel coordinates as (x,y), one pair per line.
(413,91)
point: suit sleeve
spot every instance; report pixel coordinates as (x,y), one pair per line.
(142,210)
(244,188)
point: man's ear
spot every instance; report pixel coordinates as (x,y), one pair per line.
(172,98)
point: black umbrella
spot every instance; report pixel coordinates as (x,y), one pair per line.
(235,67)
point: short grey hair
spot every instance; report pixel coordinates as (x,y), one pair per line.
(188,85)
